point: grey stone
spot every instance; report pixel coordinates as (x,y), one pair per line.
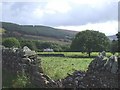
(96,76)
(28,52)
(114,68)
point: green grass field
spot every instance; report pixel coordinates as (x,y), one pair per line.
(58,67)
(76,54)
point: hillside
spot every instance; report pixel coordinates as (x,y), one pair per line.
(112,37)
(38,30)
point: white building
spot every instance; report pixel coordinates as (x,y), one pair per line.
(48,50)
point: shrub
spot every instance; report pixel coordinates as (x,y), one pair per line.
(11,42)
(21,81)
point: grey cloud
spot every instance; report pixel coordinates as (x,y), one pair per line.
(81,15)
(92,15)
(119,11)
(22,13)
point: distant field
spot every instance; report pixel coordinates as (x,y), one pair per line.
(58,67)
(76,54)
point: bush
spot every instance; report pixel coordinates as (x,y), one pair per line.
(54,46)
(21,81)
(30,44)
(40,45)
(11,42)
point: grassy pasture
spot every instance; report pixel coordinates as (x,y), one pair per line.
(76,54)
(58,67)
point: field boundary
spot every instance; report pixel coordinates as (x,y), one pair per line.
(62,55)
(56,55)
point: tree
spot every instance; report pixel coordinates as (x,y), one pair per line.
(118,36)
(55,46)
(11,42)
(44,45)
(114,46)
(89,41)
(29,43)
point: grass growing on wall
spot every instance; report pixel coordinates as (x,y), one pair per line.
(10,80)
(7,78)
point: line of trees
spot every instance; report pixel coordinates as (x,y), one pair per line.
(85,41)
(33,44)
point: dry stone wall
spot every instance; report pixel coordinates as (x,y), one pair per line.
(25,60)
(102,71)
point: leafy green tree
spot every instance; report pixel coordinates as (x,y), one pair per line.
(65,47)
(55,46)
(11,42)
(118,36)
(114,46)
(89,41)
(28,43)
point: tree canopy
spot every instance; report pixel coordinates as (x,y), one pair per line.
(89,41)
(11,42)
(114,46)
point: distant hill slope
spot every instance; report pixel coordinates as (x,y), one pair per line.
(38,30)
(112,37)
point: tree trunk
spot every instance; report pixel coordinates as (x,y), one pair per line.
(89,53)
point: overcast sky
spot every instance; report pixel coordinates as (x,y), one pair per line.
(78,15)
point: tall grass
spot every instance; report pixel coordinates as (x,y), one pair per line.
(11,80)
